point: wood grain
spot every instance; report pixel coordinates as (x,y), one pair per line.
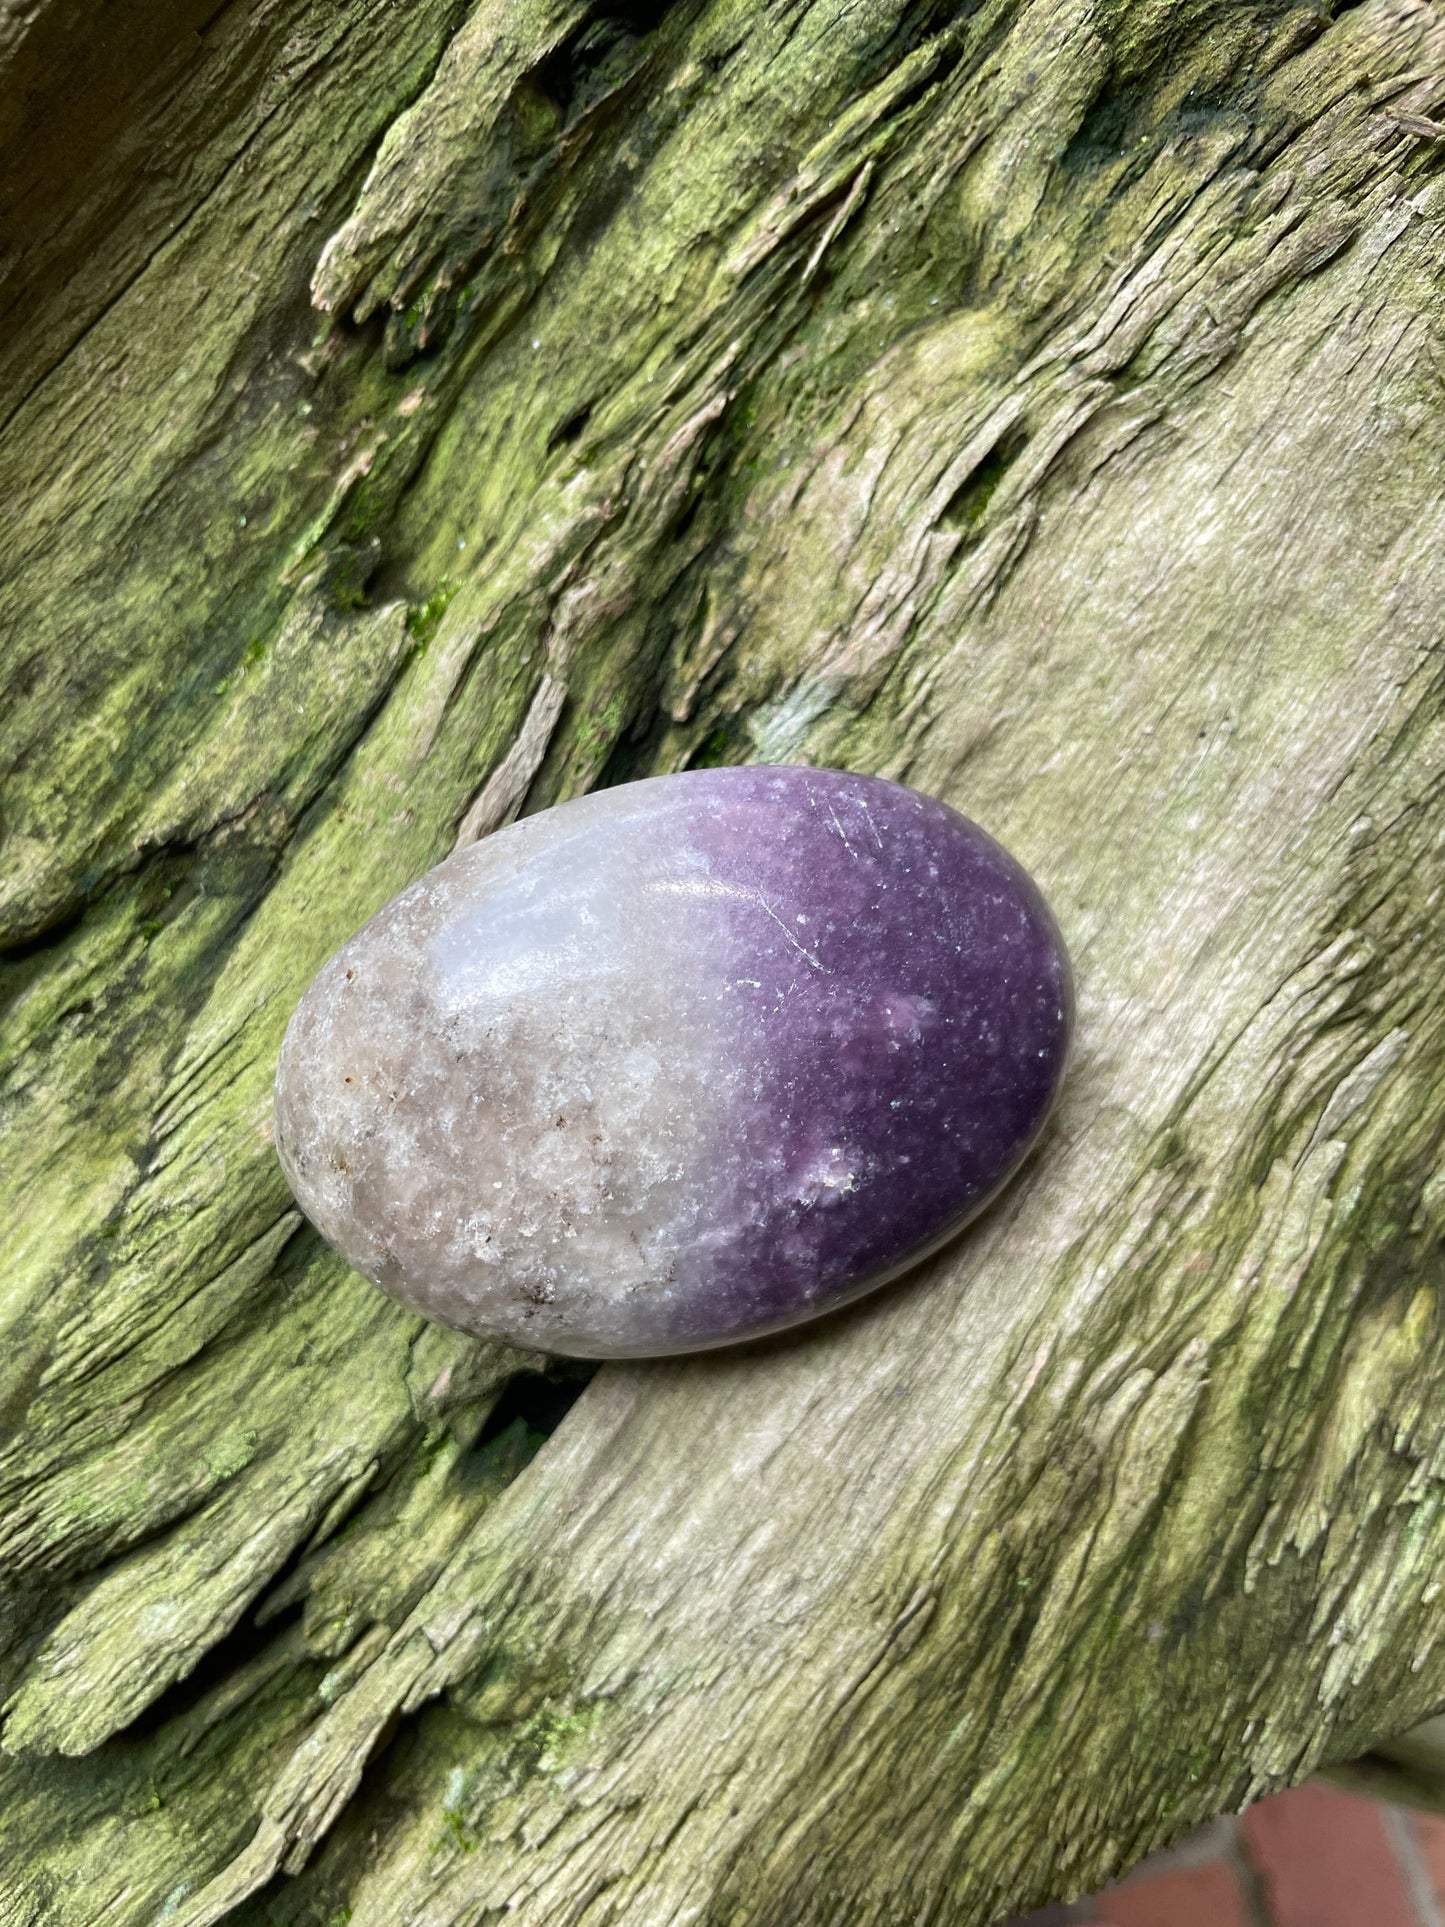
(1039,403)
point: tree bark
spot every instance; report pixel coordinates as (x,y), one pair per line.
(414,415)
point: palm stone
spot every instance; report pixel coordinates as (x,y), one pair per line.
(679,1063)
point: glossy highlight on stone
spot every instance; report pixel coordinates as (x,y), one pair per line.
(679,1063)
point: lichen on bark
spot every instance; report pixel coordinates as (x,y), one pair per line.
(425,414)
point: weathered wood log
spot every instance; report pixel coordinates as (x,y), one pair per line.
(413,416)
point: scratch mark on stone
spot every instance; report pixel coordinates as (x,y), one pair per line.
(801,949)
(842,832)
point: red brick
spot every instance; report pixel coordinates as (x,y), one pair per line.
(1429,1832)
(1205,1896)
(1326,1860)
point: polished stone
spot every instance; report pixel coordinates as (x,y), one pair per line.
(678,1063)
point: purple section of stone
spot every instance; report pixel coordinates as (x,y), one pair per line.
(905,1006)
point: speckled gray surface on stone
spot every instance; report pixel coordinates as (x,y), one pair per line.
(678,1063)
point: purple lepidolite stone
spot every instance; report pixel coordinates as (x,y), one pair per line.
(678,1063)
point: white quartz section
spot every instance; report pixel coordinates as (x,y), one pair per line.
(505,1099)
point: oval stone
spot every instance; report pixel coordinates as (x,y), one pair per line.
(679,1063)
